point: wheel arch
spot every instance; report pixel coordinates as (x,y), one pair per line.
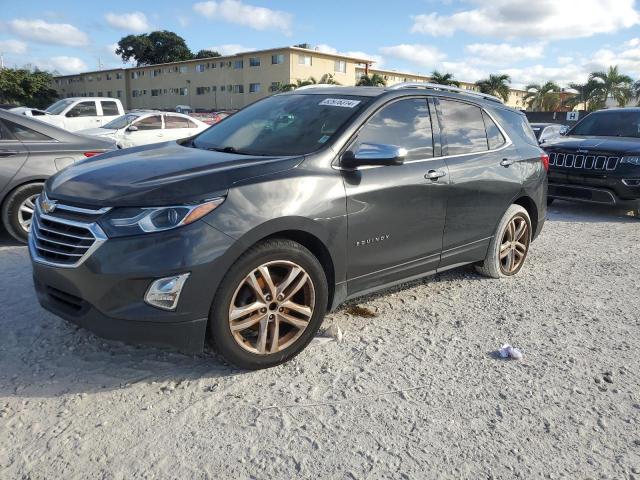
(530,206)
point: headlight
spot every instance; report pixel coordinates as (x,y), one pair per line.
(133,221)
(631,160)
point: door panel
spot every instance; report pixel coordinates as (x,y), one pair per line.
(481,187)
(13,154)
(395,215)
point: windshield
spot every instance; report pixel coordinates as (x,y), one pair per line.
(614,123)
(282,125)
(58,107)
(120,122)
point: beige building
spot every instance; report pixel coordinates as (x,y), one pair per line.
(227,82)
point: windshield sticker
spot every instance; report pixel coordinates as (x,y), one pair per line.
(323,139)
(339,102)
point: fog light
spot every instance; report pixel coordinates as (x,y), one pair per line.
(165,292)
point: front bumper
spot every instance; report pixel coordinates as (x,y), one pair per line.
(105,293)
(591,194)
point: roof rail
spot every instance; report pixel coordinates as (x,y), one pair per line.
(444,88)
(316,85)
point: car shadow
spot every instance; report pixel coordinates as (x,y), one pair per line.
(562,211)
(7,240)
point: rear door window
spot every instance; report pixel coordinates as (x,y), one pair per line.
(153,122)
(405,123)
(109,109)
(494,135)
(26,134)
(83,109)
(173,121)
(464,128)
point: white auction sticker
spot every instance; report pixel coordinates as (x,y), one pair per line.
(339,102)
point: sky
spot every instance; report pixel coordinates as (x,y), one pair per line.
(531,40)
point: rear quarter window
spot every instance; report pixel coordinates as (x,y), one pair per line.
(516,125)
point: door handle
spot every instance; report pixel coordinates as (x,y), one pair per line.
(434,175)
(507,161)
(8,153)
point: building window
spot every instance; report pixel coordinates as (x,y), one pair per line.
(100,94)
(184,91)
(183,69)
(134,93)
(200,67)
(119,93)
(98,78)
(90,78)
(221,64)
(202,90)
(222,88)
(109,93)
(155,92)
(254,61)
(238,64)
(118,76)
(108,76)
(277,59)
(238,89)
(156,72)
(214,88)
(254,87)
(340,66)
(304,60)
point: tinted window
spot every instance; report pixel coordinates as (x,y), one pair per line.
(192,124)
(4,133)
(58,107)
(517,125)
(172,121)
(464,128)
(149,123)
(283,124)
(26,134)
(615,123)
(494,135)
(406,124)
(109,109)
(83,109)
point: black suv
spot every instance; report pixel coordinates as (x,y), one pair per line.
(599,160)
(253,229)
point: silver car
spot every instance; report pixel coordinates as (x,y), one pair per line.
(30,152)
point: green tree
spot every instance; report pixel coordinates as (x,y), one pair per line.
(542,98)
(613,84)
(298,83)
(374,80)
(207,54)
(26,87)
(328,79)
(152,48)
(636,91)
(588,96)
(444,79)
(497,85)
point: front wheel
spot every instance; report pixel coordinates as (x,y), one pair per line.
(509,246)
(269,305)
(18,210)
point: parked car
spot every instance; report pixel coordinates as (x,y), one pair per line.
(31,151)
(255,227)
(184,109)
(548,131)
(598,161)
(79,113)
(147,126)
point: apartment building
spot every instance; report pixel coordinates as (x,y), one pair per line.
(226,82)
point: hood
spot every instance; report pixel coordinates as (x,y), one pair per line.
(160,174)
(605,144)
(97,132)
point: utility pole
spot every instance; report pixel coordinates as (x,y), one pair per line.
(1,60)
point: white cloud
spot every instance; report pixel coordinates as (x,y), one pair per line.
(423,55)
(565,60)
(230,49)
(543,19)
(377,59)
(235,11)
(63,64)
(13,46)
(44,32)
(135,22)
(634,42)
(627,60)
(500,53)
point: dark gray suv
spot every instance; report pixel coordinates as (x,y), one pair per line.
(255,228)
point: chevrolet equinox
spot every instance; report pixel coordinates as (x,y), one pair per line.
(252,230)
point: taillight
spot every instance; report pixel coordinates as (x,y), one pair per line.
(92,154)
(544,158)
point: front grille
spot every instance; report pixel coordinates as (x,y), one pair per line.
(599,161)
(57,240)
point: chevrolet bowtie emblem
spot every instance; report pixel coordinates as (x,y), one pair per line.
(47,205)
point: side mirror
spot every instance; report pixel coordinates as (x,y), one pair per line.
(374,154)
(132,128)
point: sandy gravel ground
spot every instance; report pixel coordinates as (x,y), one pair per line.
(415,391)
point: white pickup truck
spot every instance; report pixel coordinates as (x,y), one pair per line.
(80,113)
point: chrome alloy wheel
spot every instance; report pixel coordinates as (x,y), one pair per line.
(514,245)
(272,307)
(25,212)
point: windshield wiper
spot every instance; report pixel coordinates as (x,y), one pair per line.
(237,152)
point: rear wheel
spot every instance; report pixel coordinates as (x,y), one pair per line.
(269,305)
(510,244)
(18,210)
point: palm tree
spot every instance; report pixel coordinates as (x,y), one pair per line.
(374,80)
(444,79)
(497,85)
(542,98)
(299,83)
(588,96)
(614,85)
(328,79)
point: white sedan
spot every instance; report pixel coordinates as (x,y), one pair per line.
(145,127)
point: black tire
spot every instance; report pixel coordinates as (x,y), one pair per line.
(550,201)
(267,252)
(11,209)
(492,266)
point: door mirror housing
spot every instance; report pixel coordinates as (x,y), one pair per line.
(132,128)
(374,154)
